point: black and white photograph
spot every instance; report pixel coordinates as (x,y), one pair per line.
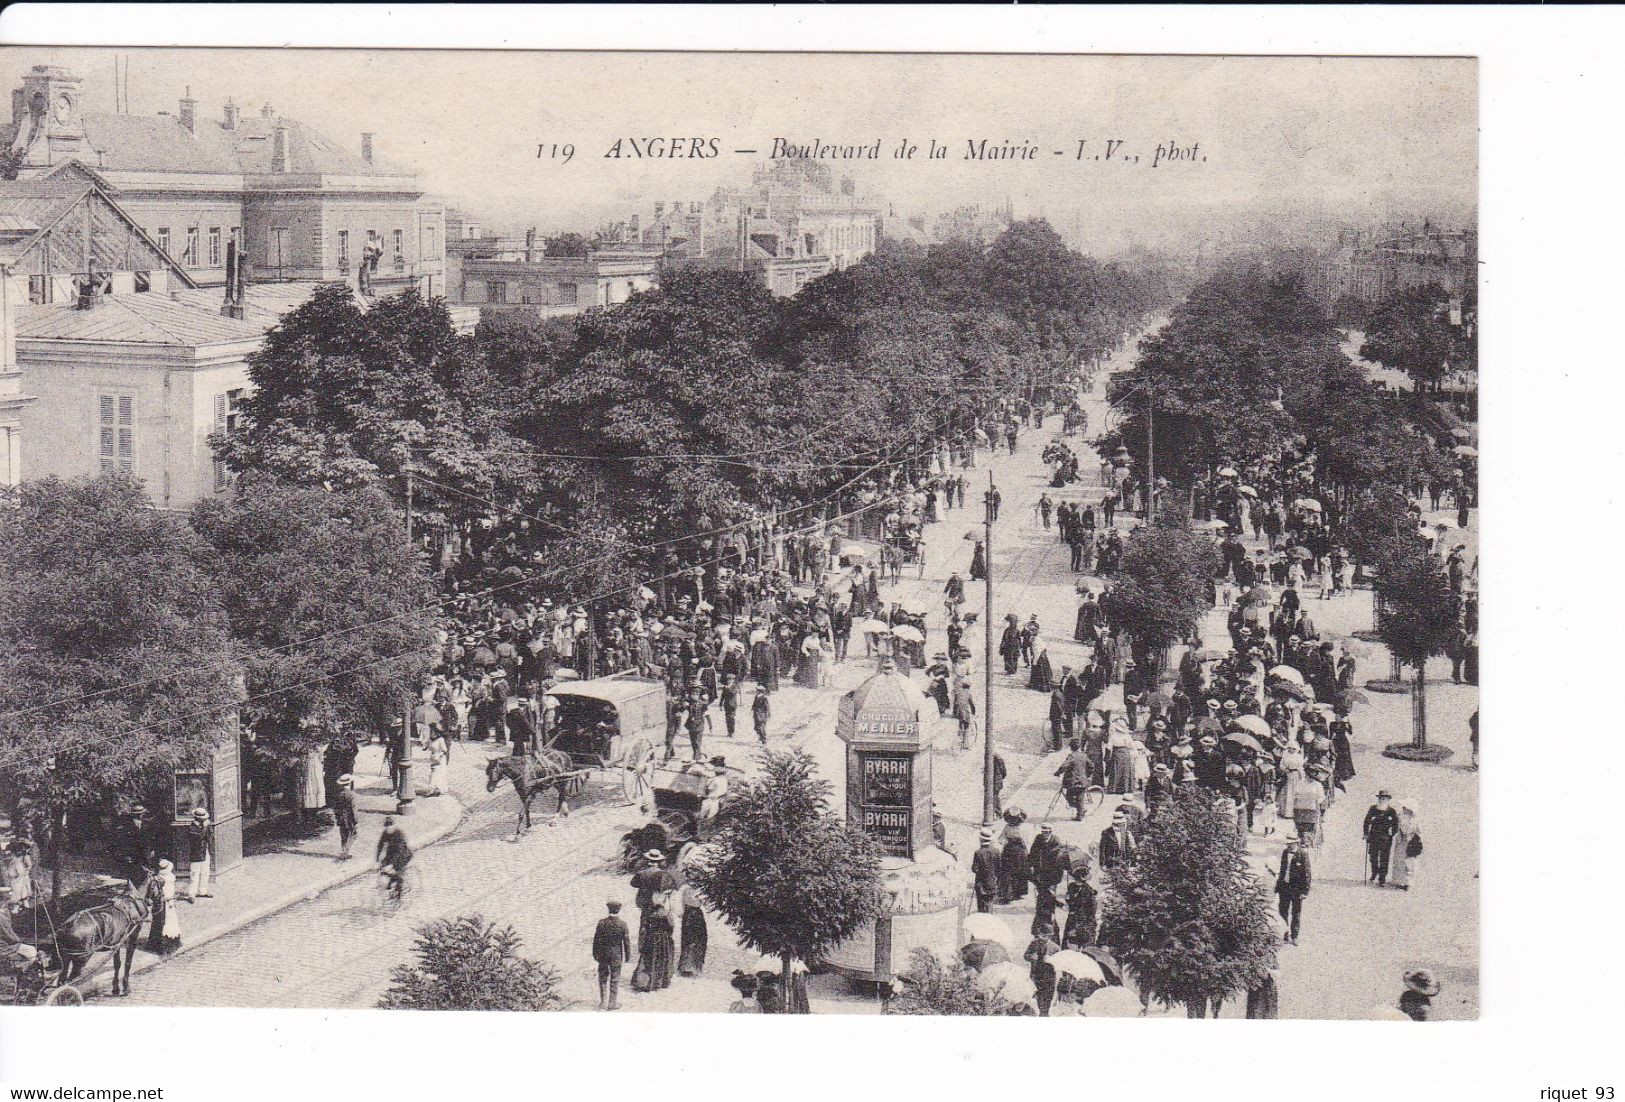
(649,545)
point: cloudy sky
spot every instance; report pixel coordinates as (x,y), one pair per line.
(1286,141)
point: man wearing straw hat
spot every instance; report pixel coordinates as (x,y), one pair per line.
(1292,885)
(984,867)
(199,852)
(343,804)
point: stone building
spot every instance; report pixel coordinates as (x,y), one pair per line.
(1372,267)
(301,206)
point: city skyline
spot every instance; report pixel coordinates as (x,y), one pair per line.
(1292,144)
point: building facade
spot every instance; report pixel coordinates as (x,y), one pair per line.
(298,205)
(1373,267)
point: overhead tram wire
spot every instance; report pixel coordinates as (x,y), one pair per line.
(110,739)
(340,632)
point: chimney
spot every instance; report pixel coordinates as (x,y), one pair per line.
(660,208)
(188,114)
(530,245)
(233,306)
(279,150)
(267,112)
(230,120)
(366,147)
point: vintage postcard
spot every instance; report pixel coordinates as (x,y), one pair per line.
(705,533)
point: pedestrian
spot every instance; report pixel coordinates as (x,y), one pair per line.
(1010,645)
(729,695)
(1121,745)
(978,563)
(165,935)
(1074,774)
(1040,969)
(695,937)
(760,712)
(1380,828)
(1263,1000)
(1013,858)
(1046,868)
(1309,804)
(1416,1001)
(1082,908)
(612,950)
(200,852)
(1405,860)
(656,949)
(439,764)
(1292,886)
(343,801)
(984,867)
(1117,842)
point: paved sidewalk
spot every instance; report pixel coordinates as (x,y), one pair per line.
(299,867)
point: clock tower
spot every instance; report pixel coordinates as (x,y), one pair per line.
(45,112)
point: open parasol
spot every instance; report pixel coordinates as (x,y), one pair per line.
(987,927)
(1215,524)
(1079,966)
(1227,472)
(1207,654)
(1248,490)
(1244,740)
(854,551)
(1466,451)
(1113,1002)
(908,633)
(1308,503)
(917,606)
(981,954)
(1091,583)
(1348,698)
(1252,725)
(1108,963)
(875,627)
(1008,981)
(1286,673)
(1159,699)
(1301,552)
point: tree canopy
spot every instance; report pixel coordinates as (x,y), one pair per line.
(786,873)
(1187,917)
(1161,588)
(292,563)
(1411,331)
(106,615)
(467,963)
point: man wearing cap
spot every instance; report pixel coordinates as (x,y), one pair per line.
(1047,867)
(1074,774)
(200,852)
(1292,885)
(342,801)
(611,950)
(1381,824)
(1117,842)
(984,867)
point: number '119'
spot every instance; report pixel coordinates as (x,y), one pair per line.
(555,152)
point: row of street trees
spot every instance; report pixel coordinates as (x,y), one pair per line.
(1250,361)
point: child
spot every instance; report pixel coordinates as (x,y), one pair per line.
(165,936)
(760,712)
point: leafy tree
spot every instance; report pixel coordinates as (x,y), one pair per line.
(1417,618)
(115,664)
(346,396)
(1187,917)
(1161,589)
(1411,332)
(294,563)
(466,963)
(930,987)
(10,162)
(786,873)
(566,245)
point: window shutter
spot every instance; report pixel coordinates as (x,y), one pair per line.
(220,474)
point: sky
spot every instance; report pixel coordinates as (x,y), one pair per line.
(1281,143)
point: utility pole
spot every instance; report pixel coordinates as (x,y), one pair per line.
(405,791)
(990,791)
(1150,459)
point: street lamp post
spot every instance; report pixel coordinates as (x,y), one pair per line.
(990,791)
(404,790)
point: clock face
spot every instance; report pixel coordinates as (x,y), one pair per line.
(63,108)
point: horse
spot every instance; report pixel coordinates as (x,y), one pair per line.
(530,775)
(94,920)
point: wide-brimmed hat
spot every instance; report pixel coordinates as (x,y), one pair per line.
(165,864)
(201,814)
(344,778)
(1384,794)
(1422,982)
(1015,815)
(1119,817)
(987,835)
(1230,705)
(654,855)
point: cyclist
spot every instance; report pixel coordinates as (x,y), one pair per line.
(393,857)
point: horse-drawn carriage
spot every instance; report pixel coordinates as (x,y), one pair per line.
(611,723)
(682,818)
(49,951)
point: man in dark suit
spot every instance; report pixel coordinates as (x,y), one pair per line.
(984,867)
(1292,885)
(1117,842)
(612,949)
(1381,824)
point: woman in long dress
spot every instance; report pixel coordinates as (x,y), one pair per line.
(655,951)
(1121,775)
(165,936)
(1013,859)
(439,773)
(1405,859)
(1292,763)
(691,961)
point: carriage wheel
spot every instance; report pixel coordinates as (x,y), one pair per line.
(65,996)
(635,770)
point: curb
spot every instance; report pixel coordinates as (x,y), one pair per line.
(342,874)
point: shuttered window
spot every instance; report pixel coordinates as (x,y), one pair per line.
(226,416)
(116,432)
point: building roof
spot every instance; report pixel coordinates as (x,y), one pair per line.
(160,143)
(31,207)
(154,319)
